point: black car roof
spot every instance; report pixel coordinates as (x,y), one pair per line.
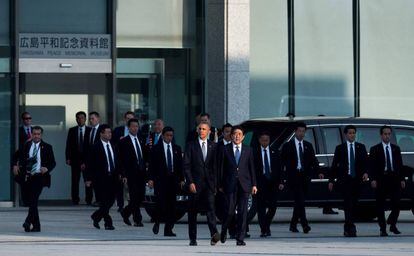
(328,120)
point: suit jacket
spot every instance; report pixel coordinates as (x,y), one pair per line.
(72,152)
(202,173)
(340,166)
(276,176)
(98,165)
(129,164)
(233,173)
(22,136)
(47,159)
(117,134)
(158,169)
(377,161)
(290,161)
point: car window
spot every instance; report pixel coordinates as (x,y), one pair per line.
(369,136)
(332,138)
(405,139)
(310,137)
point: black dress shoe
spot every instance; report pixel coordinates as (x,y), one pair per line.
(138,224)
(223,237)
(268,233)
(95,223)
(170,234)
(156,228)
(26,227)
(383,233)
(193,243)
(109,227)
(215,238)
(394,230)
(240,243)
(306,229)
(125,218)
(35,229)
(349,234)
(262,235)
(247,235)
(293,229)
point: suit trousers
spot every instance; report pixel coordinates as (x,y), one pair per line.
(266,204)
(237,199)
(388,186)
(76,174)
(299,186)
(350,189)
(204,198)
(136,189)
(107,190)
(35,187)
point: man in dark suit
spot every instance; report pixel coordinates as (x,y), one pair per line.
(166,177)
(200,170)
(103,163)
(25,134)
(94,136)
(350,169)
(132,161)
(202,118)
(237,182)
(37,160)
(269,181)
(155,135)
(386,174)
(119,133)
(299,162)
(76,147)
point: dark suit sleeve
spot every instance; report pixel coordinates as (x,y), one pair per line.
(179,168)
(399,163)
(281,175)
(364,160)
(68,150)
(252,169)
(152,168)
(51,163)
(333,173)
(372,164)
(187,164)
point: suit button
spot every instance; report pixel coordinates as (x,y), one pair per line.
(237,168)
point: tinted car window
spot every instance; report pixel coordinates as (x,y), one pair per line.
(332,138)
(405,139)
(310,137)
(368,136)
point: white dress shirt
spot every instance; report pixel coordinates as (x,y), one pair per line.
(96,131)
(166,154)
(268,158)
(39,159)
(385,155)
(348,144)
(133,143)
(106,153)
(234,148)
(299,166)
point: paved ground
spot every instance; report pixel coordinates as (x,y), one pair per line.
(69,231)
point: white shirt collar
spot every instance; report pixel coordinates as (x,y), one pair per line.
(105,143)
(235,145)
(267,148)
(298,141)
(133,136)
(385,144)
(166,144)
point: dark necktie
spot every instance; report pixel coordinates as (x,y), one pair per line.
(29,135)
(110,159)
(352,160)
(139,156)
(80,141)
(92,135)
(387,152)
(266,165)
(301,157)
(237,155)
(169,160)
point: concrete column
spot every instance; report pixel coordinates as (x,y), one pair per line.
(227,60)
